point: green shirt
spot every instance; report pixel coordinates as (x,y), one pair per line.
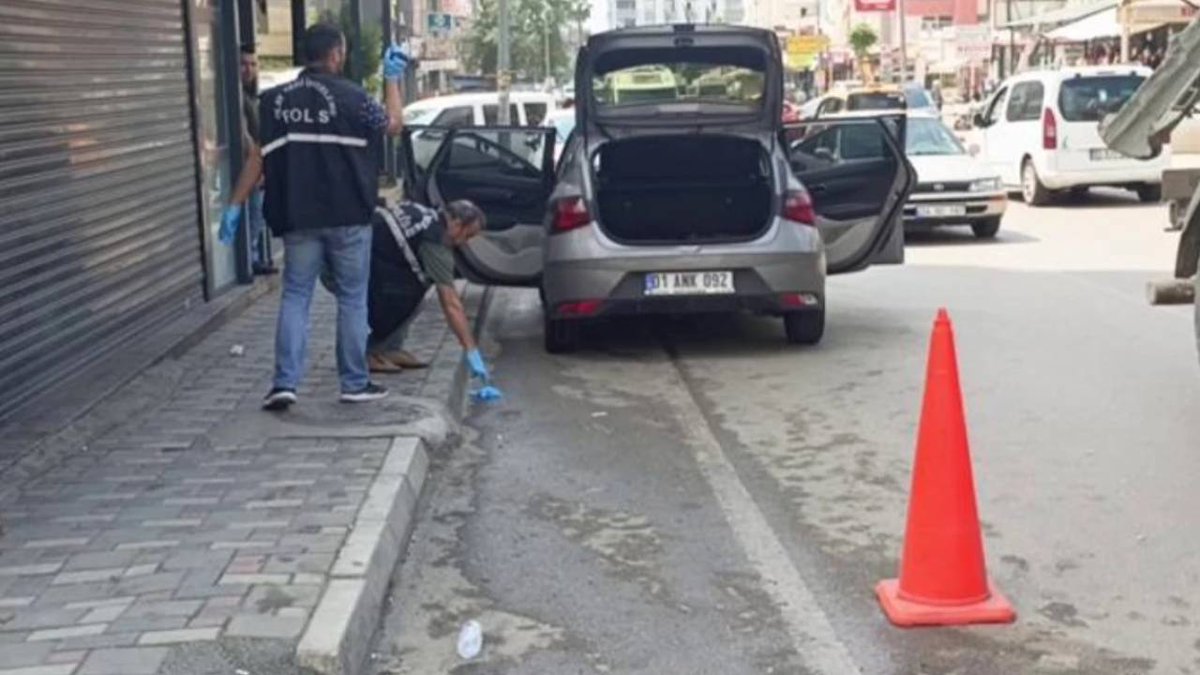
(438,261)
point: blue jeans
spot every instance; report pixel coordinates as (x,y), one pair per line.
(347,253)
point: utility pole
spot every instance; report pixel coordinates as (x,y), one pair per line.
(903,43)
(546,43)
(503,65)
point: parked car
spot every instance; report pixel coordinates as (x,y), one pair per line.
(953,187)
(563,122)
(671,206)
(1040,133)
(858,99)
(526,108)
(919,99)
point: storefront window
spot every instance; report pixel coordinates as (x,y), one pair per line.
(215,167)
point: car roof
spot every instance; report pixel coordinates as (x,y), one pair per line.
(1081,71)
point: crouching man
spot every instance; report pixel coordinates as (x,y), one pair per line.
(413,248)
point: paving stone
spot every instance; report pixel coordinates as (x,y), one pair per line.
(51,669)
(130,661)
(99,560)
(165,637)
(43,618)
(258,625)
(99,641)
(30,570)
(28,654)
(67,632)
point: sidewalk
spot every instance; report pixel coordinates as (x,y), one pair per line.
(198,534)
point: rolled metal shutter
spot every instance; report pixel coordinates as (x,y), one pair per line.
(99,231)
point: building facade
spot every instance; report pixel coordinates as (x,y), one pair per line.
(629,13)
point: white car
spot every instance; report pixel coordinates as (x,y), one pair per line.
(526,109)
(1041,133)
(953,188)
(563,122)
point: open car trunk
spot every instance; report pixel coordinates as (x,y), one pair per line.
(683,189)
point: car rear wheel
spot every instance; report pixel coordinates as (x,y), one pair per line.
(804,328)
(1149,194)
(559,336)
(986,229)
(1032,190)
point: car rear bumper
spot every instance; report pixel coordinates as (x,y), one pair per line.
(976,206)
(588,269)
(1060,171)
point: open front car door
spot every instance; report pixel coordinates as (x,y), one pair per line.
(859,179)
(508,172)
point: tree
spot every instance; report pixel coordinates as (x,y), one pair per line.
(531,24)
(862,38)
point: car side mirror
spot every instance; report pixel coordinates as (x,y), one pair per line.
(823,153)
(980,120)
(973,149)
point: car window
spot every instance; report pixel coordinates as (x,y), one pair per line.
(830,106)
(917,98)
(459,116)
(993,111)
(1026,102)
(723,78)
(420,115)
(1090,98)
(862,142)
(497,153)
(928,137)
(876,100)
(491,115)
(535,114)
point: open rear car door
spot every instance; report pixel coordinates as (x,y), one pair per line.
(859,179)
(508,172)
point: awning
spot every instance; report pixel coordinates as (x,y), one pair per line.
(1062,15)
(1102,24)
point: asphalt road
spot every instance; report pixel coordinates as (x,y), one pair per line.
(695,496)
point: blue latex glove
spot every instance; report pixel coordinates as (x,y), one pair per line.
(231,219)
(478,367)
(488,394)
(395,62)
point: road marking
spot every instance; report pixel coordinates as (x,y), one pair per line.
(814,637)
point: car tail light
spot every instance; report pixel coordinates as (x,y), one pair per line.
(571,214)
(580,309)
(798,300)
(798,207)
(1049,130)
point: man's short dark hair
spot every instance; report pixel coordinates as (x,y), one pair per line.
(249,48)
(320,40)
(466,212)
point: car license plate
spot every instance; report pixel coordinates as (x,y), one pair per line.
(1103,154)
(941,211)
(689,283)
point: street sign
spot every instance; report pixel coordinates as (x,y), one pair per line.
(802,50)
(874,5)
(973,43)
(439,23)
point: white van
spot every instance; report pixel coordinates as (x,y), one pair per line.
(1040,132)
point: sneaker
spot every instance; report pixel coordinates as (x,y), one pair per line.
(279,399)
(371,392)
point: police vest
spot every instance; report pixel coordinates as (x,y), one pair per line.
(319,154)
(407,222)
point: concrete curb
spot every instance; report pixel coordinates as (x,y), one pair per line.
(342,628)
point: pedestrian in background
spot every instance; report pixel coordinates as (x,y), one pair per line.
(319,138)
(259,246)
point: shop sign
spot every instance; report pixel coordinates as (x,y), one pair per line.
(874,5)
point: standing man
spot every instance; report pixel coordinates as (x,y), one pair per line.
(262,263)
(322,183)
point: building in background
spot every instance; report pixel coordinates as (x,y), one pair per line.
(628,13)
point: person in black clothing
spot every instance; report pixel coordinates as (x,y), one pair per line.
(319,136)
(254,211)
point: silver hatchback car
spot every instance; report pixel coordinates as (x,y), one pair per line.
(678,190)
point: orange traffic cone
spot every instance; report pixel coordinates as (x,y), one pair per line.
(943,580)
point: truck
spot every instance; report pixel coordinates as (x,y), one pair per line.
(1141,128)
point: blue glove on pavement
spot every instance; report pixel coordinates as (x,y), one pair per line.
(488,394)
(478,367)
(231,219)
(395,62)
